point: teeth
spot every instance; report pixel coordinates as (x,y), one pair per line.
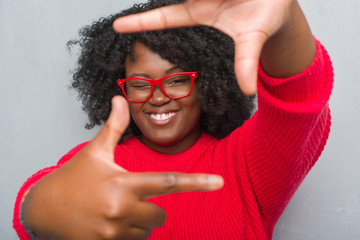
(162,116)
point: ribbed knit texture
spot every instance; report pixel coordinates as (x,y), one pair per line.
(263,162)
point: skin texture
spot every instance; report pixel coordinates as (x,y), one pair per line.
(172,136)
(285,45)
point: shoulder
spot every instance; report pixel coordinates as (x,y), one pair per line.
(72,153)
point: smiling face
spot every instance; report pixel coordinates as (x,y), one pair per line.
(168,125)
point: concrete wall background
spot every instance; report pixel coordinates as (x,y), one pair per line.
(41,119)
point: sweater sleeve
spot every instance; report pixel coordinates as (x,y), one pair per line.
(287,134)
(18,226)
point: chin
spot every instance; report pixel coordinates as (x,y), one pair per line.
(165,141)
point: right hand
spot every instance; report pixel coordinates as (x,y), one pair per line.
(90,197)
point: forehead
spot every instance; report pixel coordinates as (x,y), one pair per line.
(141,50)
(143,60)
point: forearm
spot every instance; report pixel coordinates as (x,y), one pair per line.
(288,132)
(292,48)
(18,223)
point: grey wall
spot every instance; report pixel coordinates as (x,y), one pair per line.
(41,119)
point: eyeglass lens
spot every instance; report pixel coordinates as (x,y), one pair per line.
(175,86)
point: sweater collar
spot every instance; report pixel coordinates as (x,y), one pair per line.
(183,158)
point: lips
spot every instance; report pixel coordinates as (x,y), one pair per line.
(161,118)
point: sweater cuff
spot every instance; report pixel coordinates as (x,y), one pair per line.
(307,91)
(17,224)
(32,235)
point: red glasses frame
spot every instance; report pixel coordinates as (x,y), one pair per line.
(157,82)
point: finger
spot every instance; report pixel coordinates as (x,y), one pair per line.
(136,233)
(147,185)
(172,16)
(111,132)
(247,53)
(147,215)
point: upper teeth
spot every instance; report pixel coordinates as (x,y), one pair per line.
(162,116)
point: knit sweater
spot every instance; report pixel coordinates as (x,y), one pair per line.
(262,162)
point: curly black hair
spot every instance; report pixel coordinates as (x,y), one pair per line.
(204,49)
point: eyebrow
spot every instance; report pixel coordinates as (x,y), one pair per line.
(171,70)
(144,75)
(139,75)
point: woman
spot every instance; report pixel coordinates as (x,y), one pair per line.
(187,116)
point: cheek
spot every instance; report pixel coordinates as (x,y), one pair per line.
(193,101)
(135,111)
(193,105)
(192,108)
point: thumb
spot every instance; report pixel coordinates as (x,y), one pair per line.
(111,132)
(248,47)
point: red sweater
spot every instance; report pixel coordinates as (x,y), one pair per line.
(263,162)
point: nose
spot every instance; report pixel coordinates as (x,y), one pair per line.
(158,97)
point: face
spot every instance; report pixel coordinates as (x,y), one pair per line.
(168,125)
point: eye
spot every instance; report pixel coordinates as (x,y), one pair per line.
(177,80)
(138,84)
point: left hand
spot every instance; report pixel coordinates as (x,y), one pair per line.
(250,23)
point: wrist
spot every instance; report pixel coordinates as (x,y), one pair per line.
(292,48)
(32,235)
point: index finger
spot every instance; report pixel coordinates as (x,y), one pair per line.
(172,16)
(147,185)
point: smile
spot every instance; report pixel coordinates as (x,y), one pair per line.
(162,116)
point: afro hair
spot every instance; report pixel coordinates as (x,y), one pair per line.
(102,61)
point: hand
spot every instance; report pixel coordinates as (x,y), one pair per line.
(91,197)
(250,23)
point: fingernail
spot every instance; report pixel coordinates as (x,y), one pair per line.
(215,181)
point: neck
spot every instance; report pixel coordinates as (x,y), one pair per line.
(175,147)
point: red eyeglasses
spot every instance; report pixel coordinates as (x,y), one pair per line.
(174,86)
